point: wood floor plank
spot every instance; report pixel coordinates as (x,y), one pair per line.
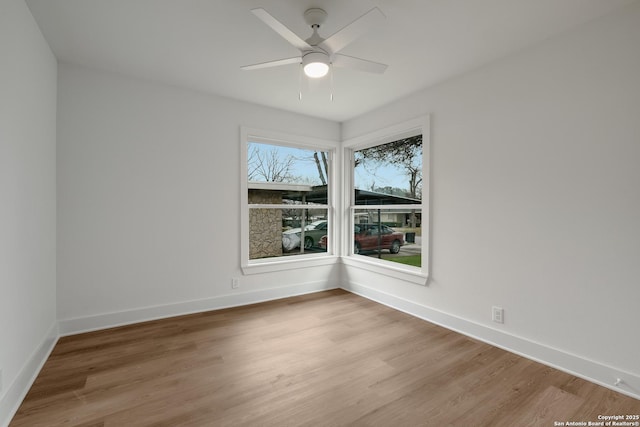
(325,359)
(546,407)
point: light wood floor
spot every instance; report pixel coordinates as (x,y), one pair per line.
(325,359)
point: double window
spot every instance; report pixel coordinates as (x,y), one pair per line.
(289,207)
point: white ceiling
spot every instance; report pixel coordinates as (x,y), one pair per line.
(200,44)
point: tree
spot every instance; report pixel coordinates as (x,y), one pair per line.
(267,165)
(405,154)
(321,173)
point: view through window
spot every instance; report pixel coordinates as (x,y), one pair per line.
(387,201)
(288,200)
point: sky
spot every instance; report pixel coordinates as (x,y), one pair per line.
(304,166)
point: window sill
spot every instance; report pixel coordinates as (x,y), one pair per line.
(291,263)
(406,274)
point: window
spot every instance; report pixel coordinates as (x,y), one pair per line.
(389,199)
(287,214)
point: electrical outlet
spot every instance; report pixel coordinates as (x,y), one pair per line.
(497,314)
(235,283)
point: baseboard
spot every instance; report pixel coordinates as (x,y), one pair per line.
(589,370)
(17,390)
(579,366)
(110,320)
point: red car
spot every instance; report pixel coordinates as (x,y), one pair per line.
(366,236)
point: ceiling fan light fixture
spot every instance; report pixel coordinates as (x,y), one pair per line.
(315,64)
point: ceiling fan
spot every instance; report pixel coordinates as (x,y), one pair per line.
(317,54)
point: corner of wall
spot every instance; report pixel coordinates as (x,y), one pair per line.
(17,390)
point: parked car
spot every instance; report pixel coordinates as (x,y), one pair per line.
(365,238)
(312,233)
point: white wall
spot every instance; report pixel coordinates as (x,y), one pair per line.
(149,203)
(535,201)
(536,196)
(27,200)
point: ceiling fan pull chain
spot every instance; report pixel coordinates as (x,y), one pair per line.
(300,83)
(331,82)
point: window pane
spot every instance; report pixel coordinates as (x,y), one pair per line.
(389,174)
(285,175)
(286,232)
(390,234)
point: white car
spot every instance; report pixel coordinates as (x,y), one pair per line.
(313,232)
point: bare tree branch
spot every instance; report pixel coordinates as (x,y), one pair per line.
(268,165)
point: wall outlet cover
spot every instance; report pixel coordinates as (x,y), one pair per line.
(497,314)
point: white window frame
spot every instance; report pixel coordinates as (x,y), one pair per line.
(420,125)
(266,265)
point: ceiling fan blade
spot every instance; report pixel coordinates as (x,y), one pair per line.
(352,31)
(345,61)
(277,63)
(279,28)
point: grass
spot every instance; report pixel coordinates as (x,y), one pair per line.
(415,260)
